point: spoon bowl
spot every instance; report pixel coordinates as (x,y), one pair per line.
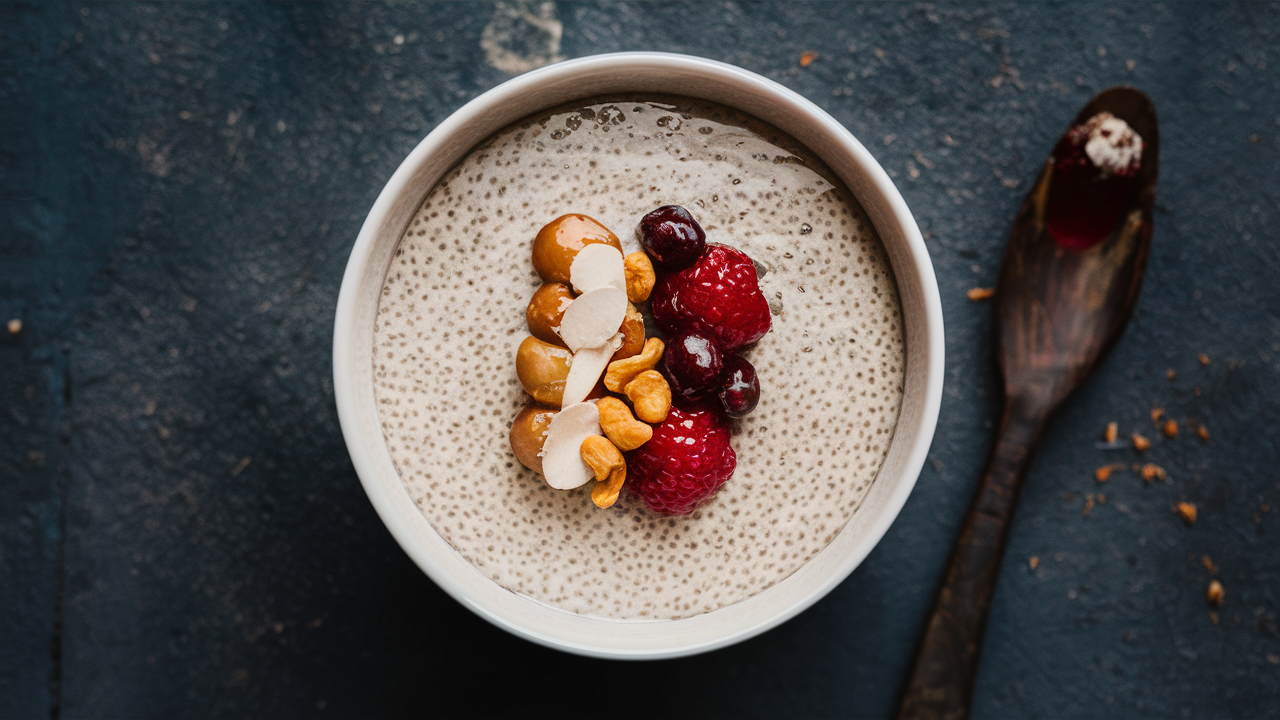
(1060,310)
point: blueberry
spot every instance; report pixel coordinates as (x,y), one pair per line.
(740,388)
(672,237)
(692,365)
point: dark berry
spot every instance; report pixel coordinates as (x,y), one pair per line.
(718,297)
(672,237)
(739,387)
(692,365)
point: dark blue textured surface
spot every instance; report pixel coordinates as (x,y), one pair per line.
(181,532)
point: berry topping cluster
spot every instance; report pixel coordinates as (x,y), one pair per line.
(670,447)
(1095,168)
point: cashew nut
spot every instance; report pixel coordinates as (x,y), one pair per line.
(640,276)
(608,464)
(601,456)
(620,425)
(625,370)
(651,395)
(606,494)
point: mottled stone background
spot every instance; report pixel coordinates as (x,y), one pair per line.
(181,532)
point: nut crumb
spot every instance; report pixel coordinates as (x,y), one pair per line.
(1203,432)
(15,326)
(1216,594)
(1187,511)
(1213,617)
(1171,374)
(977,294)
(1208,564)
(1204,359)
(1104,472)
(1110,434)
(1088,504)
(1034,562)
(1170,428)
(1102,499)
(807,59)
(1140,443)
(1156,414)
(1150,472)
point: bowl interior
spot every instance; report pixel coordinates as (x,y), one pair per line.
(637,73)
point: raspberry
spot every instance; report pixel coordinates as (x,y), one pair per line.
(686,461)
(719,297)
(692,365)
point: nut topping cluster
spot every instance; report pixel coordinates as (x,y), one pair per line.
(602,392)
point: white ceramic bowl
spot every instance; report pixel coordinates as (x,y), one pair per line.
(635,73)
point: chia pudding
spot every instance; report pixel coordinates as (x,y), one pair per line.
(451,316)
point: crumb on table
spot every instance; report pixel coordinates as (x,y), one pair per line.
(1216,594)
(1187,511)
(1204,359)
(807,59)
(1140,443)
(15,326)
(977,294)
(1150,472)
(1170,428)
(1103,473)
(1110,434)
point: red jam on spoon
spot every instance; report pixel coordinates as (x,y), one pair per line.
(1094,168)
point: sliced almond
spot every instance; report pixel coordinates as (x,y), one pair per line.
(596,266)
(562,464)
(586,368)
(593,318)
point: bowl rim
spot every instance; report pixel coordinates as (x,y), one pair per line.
(397,510)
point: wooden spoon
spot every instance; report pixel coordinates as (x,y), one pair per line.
(1060,308)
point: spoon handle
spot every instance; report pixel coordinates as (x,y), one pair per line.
(941,680)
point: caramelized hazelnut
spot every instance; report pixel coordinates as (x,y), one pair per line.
(542,369)
(632,334)
(529,431)
(559,241)
(546,308)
